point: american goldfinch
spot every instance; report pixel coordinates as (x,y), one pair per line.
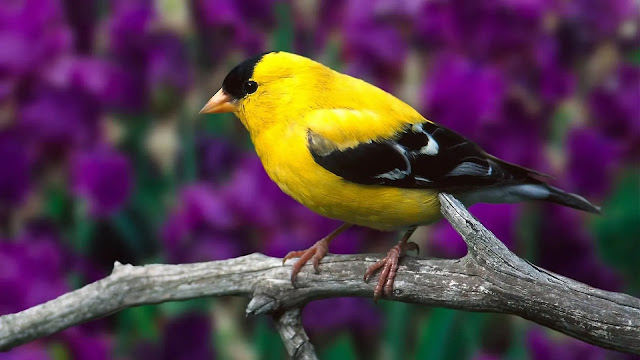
(351,151)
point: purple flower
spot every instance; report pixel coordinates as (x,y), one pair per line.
(128,27)
(495,29)
(31,351)
(374,49)
(167,70)
(186,337)
(542,346)
(16,160)
(565,247)
(598,19)
(255,198)
(83,344)
(500,219)
(59,120)
(216,158)
(331,315)
(463,95)
(103,178)
(615,108)
(32,33)
(82,16)
(150,65)
(222,28)
(555,81)
(32,270)
(593,161)
(201,227)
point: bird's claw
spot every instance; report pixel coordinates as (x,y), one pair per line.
(314,253)
(389,265)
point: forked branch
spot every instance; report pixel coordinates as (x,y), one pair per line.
(489,278)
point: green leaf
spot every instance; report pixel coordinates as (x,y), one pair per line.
(83,228)
(268,343)
(434,333)
(177,308)
(136,323)
(451,334)
(283,35)
(397,320)
(341,348)
(518,349)
(617,230)
(56,203)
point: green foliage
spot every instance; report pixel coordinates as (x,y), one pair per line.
(341,348)
(618,230)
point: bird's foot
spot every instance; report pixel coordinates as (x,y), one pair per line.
(314,253)
(389,265)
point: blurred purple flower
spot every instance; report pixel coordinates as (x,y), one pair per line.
(463,95)
(592,163)
(566,247)
(82,16)
(254,198)
(597,19)
(32,33)
(57,120)
(216,158)
(150,65)
(31,351)
(200,228)
(168,72)
(188,336)
(556,81)
(16,160)
(542,347)
(500,219)
(128,27)
(615,108)
(32,270)
(375,49)
(83,344)
(484,30)
(518,139)
(222,27)
(104,178)
(331,315)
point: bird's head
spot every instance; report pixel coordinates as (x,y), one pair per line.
(270,88)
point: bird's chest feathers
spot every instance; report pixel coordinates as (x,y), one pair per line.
(286,159)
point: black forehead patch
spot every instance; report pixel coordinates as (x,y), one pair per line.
(233,83)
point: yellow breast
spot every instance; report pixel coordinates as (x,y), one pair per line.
(284,154)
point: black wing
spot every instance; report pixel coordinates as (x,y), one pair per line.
(423,155)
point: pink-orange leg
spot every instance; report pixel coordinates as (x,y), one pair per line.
(389,265)
(316,252)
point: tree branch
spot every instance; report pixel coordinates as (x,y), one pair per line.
(489,278)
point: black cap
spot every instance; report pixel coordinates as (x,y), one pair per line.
(233,84)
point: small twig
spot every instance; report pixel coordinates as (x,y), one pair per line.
(490,278)
(289,325)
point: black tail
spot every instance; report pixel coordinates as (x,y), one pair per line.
(571,200)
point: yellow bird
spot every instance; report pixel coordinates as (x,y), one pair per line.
(351,151)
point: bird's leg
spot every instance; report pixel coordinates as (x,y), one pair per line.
(317,252)
(389,265)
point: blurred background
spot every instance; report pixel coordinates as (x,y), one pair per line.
(104,158)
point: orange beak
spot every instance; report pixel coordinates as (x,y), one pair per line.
(221,102)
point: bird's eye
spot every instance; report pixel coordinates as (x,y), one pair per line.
(250,86)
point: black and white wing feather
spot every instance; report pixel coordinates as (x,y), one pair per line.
(422,155)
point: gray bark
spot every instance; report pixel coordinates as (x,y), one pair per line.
(489,278)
